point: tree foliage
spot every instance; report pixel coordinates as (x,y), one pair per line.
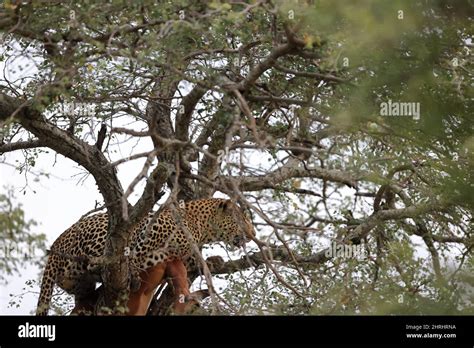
(277,105)
(18,244)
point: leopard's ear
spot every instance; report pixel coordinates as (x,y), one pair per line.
(225,206)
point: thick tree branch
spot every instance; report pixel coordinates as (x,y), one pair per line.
(391,214)
(152,191)
(256,259)
(101,137)
(267,63)
(185,111)
(20,145)
(292,169)
(9,106)
(64,143)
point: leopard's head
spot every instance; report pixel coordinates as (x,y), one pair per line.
(232,225)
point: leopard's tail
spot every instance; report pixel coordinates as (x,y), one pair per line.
(47,285)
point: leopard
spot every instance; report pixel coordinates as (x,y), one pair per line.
(162,238)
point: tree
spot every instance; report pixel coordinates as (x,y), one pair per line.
(284,107)
(17,244)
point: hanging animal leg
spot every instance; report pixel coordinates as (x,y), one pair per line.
(139,301)
(176,270)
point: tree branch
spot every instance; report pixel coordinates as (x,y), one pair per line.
(188,104)
(266,64)
(278,100)
(391,214)
(312,75)
(291,46)
(292,169)
(20,145)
